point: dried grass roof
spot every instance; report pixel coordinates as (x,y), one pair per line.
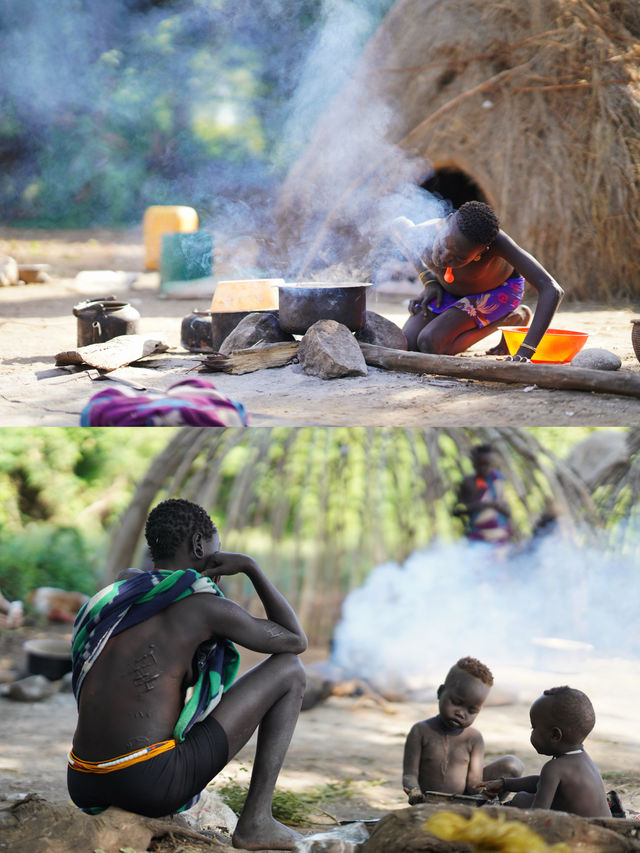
(538,101)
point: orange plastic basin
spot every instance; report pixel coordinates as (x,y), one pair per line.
(557,346)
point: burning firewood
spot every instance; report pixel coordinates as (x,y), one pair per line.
(249,360)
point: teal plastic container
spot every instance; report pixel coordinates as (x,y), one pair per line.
(186,256)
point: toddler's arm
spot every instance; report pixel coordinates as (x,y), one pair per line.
(547,786)
(474,771)
(411,764)
(493,787)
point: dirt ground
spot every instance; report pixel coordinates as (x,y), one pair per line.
(343,738)
(36,322)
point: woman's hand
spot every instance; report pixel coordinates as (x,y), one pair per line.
(433,291)
(226,563)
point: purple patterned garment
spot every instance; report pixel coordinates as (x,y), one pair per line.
(485,307)
(190,402)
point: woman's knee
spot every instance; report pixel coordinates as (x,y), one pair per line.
(428,342)
(289,668)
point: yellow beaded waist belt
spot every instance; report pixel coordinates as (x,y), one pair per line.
(123,760)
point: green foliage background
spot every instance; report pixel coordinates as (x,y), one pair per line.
(62,491)
(107,107)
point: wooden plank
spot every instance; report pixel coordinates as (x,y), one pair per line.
(124,349)
(251,359)
(562,377)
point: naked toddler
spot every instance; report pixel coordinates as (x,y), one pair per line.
(444,753)
(560,721)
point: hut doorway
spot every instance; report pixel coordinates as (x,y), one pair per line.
(453,185)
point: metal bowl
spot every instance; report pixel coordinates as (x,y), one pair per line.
(48,657)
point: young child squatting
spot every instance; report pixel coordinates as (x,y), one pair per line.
(445,753)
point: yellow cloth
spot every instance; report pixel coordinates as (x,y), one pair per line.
(489,834)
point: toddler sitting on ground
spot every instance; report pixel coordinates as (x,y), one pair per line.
(560,721)
(444,753)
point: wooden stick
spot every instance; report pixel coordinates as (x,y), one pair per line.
(249,360)
(558,376)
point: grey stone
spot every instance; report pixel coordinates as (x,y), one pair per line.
(329,350)
(381,332)
(601,457)
(33,688)
(66,683)
(597,359)
(260,327)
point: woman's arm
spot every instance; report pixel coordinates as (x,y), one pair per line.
(549,291)
(281,623)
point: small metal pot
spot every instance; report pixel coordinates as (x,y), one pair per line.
(304,303)
(196,333)
(48,657)
(100,320)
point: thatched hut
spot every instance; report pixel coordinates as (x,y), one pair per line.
(531,105)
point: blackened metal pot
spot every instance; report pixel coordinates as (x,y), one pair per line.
(99,320)
(196,333)
(304,303)
(48,657)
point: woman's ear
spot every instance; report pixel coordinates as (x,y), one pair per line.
(196,546)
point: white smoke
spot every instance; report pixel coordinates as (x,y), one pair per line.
(354,156)
(407,624)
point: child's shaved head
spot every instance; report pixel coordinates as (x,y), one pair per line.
(572,711)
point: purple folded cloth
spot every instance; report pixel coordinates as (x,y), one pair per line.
(190,402)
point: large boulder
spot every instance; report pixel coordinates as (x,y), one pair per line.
(600,457)
(260,327)
(329,350)
(381,332)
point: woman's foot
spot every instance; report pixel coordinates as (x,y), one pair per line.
(264,835)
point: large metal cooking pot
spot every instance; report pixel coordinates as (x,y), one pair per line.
(301,304)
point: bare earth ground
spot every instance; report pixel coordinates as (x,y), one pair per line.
(36,322)
(344,737)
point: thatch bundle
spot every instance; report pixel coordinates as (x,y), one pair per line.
(534,103)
